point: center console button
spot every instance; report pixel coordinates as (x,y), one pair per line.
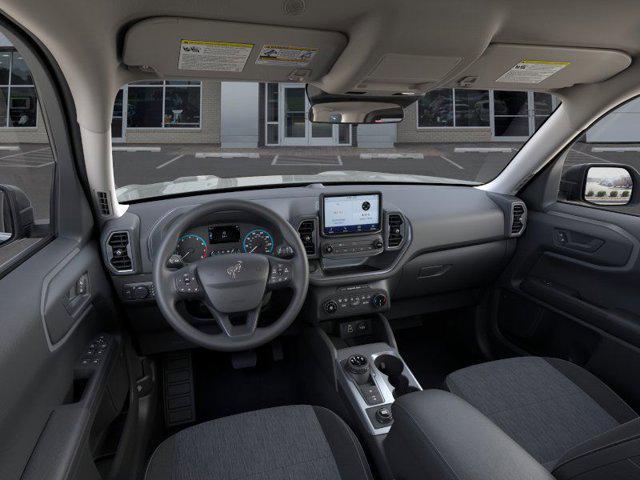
(383,415)
(379,300)
(330,307)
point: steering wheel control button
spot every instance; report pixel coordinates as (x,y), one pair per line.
(280,274)
(187,284)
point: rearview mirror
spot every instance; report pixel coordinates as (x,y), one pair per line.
(16,214)
(608,186)
(356,108)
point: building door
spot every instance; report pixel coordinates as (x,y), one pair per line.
(295,127)
(515,116)
(119,118)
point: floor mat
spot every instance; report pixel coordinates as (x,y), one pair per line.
(433,350)
(221,390)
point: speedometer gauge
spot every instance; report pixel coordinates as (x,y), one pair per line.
(191,247)
(258,241)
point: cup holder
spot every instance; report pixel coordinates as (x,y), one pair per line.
(393,367)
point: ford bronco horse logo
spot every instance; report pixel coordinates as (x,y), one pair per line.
(234,269)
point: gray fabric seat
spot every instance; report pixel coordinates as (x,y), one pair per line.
(294,442)
(548,406)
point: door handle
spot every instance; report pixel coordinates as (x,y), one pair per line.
(576,240)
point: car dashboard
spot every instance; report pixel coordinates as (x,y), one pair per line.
(420,248)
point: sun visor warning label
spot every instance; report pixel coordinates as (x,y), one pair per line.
(285,56)
(213,56)
(532,71)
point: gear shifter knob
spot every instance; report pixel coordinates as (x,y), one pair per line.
(358,366)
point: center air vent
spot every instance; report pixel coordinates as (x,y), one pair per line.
(307,235)
(518,219)
(118,251)
(395,229)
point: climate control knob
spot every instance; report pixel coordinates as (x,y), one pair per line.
(378,244)
(379,300)
(328,249)
(330,307)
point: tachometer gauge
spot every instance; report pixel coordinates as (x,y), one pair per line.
(258,241)
(191,247)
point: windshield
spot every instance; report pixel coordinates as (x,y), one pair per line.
(173,137)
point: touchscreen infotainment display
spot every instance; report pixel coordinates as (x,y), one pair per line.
(351,214)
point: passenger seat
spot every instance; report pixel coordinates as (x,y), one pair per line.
(554,409)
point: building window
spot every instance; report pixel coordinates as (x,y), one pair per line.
(164,104)
(454,108)
(272,106)
(18,99)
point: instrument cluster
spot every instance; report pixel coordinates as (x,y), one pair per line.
(211,240)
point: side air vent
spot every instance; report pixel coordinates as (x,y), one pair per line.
(103,203)
(118,251)
(307,235)
(518,219)
(395,230)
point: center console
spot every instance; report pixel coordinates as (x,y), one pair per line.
(372,377)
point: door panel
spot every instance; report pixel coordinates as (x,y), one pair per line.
(39,367)
(572,292)
(56,403)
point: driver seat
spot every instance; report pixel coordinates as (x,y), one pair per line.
(297,442)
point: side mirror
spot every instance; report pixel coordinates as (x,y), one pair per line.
(356,108)
(16,214)
(600,184)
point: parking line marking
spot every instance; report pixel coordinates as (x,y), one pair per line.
(135,149)
(592,156)
(482,149)
(17,165)
(296,161)
(615,149)
(227,155)
(25,153)
(169,161)
(11,148)
(392,156)
(451,162)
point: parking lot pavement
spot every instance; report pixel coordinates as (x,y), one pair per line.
(31,166)
(440,161)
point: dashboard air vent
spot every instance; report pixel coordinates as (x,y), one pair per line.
(118,251)
(307,235)
(395,225)
(518,218)
(103,203)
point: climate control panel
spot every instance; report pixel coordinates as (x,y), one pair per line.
(354,247)
(354,300)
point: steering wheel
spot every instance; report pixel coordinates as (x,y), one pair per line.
(230,285)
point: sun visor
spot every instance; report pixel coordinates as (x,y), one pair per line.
(518,67)
(192,48)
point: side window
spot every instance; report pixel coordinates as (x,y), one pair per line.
(601,169)
(27,165)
